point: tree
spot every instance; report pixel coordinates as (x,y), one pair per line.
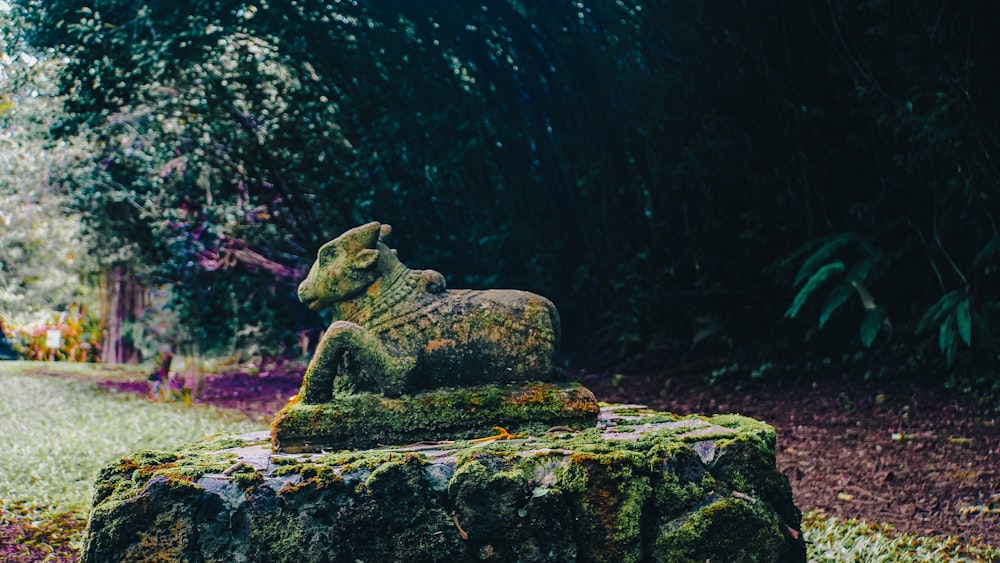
(43,259)
(653,166)
(219,130)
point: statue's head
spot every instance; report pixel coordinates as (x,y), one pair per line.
(344,267)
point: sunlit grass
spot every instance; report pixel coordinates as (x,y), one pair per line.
(835,541)
(56,433)
(75,369)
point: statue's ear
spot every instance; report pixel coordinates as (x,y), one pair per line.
(326,251)
(365,259)
(385,231)
(368,234)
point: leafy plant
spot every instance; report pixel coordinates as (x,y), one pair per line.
(822,269)
(78,336)
(832,540)
(954,319)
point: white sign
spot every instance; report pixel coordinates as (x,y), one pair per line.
(53,339)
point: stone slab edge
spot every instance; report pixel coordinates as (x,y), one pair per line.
(366,420)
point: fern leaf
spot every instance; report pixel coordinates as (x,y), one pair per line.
(816,280)
(870,325)
(937,311)
(822,254)
(859,272)
(964,321)
(946,334)
(838,296)
(795,256)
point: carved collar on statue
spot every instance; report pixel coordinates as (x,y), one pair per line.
(385,297)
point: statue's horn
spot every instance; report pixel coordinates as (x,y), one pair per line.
(365,236)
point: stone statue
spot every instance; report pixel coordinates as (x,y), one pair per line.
(421,382)
(399,331)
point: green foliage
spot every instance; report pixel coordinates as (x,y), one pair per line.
(870,325)
(639,162)
(814,273)
(44,263)
(832,540)
(954,320)
(813,282)
(79,337)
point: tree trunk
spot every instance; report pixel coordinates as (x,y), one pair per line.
(122,301)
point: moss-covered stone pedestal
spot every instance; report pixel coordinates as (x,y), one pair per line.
(366,420)
(640,486)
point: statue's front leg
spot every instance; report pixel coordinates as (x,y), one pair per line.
(317,384)
(375,366)
(350,351)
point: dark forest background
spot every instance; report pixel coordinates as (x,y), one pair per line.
(787,183)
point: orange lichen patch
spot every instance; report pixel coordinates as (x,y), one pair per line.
(438,344)
(583,403)
(152,469)
(605,503)
(128,464)
(503,435)
(532,394)
(375,288)
(165,546)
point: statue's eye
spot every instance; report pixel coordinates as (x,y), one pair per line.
(327,253)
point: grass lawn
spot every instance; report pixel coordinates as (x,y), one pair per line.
(56,433)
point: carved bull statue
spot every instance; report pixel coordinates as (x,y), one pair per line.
(399,331)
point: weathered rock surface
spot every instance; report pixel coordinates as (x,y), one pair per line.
(641,486)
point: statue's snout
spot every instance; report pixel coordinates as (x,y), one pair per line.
(305,292)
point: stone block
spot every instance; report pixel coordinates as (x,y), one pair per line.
(639,485)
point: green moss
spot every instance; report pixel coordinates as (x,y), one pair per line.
(318,475)
(746,425)
(726,529)
(612,489)
(306,470)
(247,480)
(681,480)
(278,537)
(512,507)
(745,461)
(284,460)
(648,419)
(124,478)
